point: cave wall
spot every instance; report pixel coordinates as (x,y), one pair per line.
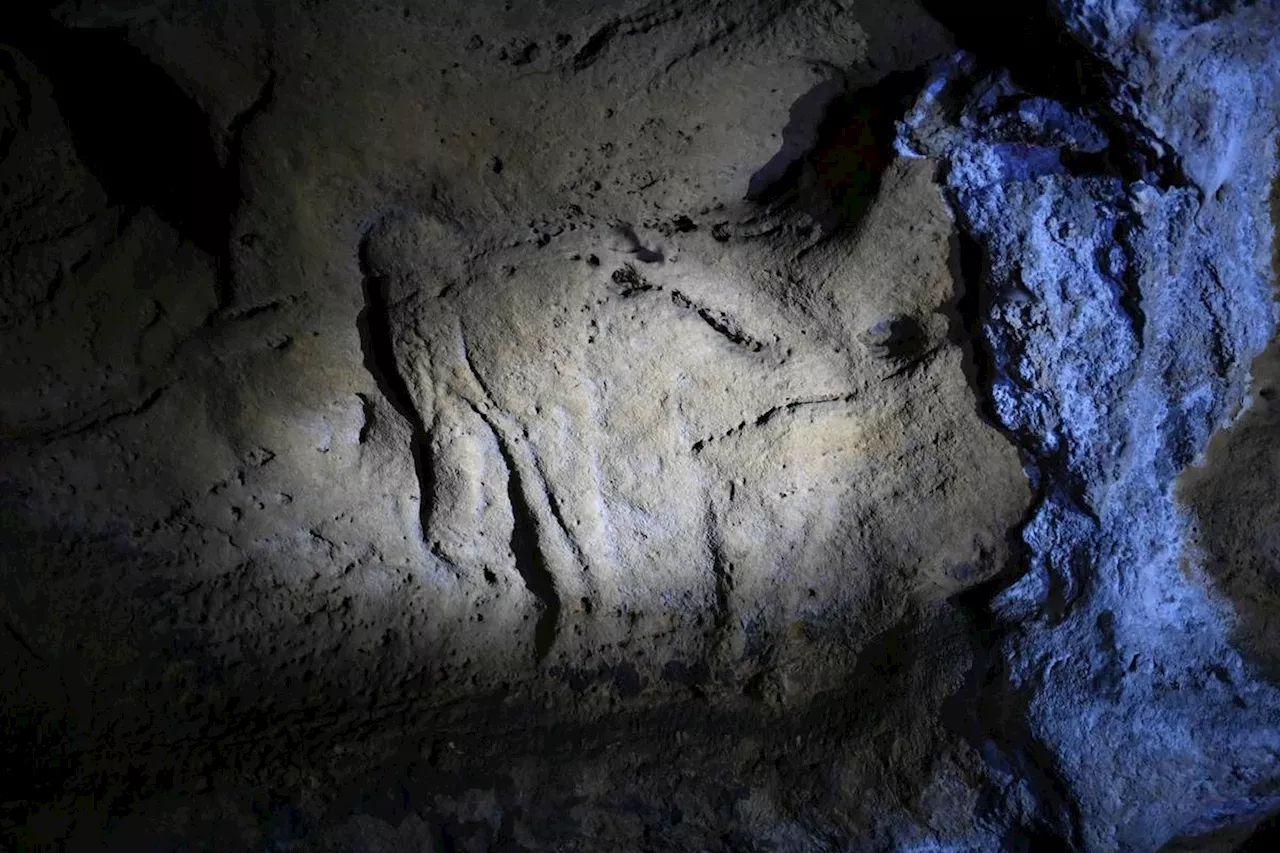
(770,426)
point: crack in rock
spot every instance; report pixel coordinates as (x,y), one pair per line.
(769,415)
(718,320)
(94,422)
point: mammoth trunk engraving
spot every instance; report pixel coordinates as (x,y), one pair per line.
(530,561)
(378,346)
(504,444)
(722,571)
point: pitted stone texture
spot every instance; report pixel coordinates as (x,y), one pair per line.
(1120,318)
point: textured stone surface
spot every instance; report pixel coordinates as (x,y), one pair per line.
(658,426)
(1124,302)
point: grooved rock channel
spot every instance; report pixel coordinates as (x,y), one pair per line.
(801,425)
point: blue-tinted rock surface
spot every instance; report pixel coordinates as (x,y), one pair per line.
(1119,312)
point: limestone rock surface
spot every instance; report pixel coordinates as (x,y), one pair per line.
(798,425)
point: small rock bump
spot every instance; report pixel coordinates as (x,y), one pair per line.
(893,338)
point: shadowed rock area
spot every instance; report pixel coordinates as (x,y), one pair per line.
(802,425)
